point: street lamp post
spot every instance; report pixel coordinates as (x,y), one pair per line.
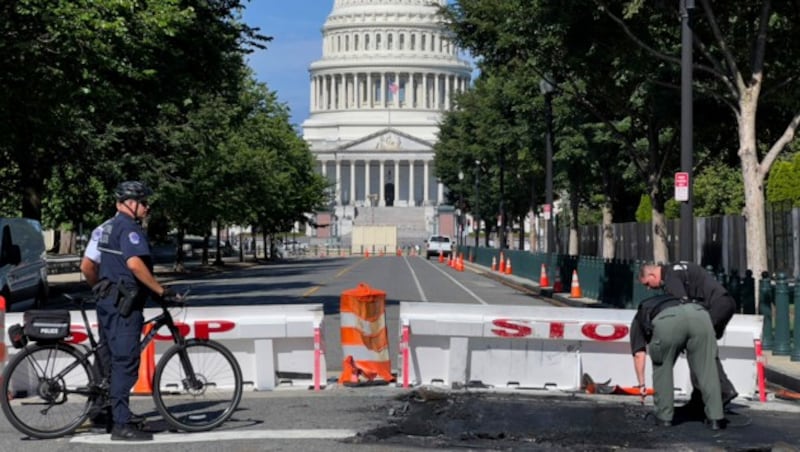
(502,233)
(547,89)
(477,214)
(687,215)
(460,228)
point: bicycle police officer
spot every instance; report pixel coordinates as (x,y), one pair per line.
(125,282)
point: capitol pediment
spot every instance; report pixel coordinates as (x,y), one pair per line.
(388,140)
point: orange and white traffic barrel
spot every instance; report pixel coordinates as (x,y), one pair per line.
(365,339)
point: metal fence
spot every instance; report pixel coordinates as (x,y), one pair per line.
(720,242)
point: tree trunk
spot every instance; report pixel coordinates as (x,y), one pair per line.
(659,225)
(753,177)
(608,231)
(180,255)
(574,235)
(66,245)
(532,239)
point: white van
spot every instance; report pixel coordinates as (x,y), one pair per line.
(23,262)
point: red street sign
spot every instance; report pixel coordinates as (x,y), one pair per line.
(681,186)
(546,211)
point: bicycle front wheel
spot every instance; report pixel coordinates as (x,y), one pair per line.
(46,390)
(197,386)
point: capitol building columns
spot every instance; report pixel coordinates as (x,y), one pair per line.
(388,72)
(357,90)
(365,182)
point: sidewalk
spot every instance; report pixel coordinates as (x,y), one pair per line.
(780,371)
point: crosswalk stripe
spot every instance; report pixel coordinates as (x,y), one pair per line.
(166,438)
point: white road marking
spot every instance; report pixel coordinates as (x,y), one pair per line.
(416,281)
(473,294)
(167,438)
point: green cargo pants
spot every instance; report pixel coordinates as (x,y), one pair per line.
(687,326)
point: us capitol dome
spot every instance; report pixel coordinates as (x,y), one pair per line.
(388,71)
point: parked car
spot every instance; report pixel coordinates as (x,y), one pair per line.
(438,244)
(23,261)
(292,247)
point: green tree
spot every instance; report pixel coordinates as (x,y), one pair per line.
(783,184)
(92,78)
(736,42)
(718,190)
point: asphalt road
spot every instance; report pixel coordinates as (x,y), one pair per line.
(387,418)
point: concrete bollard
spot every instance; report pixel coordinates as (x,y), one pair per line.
(748,293)
(765,309)
(733,287)
(781,345)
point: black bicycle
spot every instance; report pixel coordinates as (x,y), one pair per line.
(50,388)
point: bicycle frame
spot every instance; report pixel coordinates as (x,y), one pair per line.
(164,319)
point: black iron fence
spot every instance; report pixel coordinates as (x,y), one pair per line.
(720,242)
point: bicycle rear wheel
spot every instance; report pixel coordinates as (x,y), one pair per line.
(201,401)
(46,390)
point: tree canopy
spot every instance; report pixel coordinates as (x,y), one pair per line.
(99,91)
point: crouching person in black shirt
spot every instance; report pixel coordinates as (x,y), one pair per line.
(665,325)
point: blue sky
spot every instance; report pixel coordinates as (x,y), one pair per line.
(296,30)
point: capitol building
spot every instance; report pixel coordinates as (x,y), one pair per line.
(387,73)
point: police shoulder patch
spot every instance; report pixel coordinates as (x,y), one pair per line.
(134,238)
(97,233)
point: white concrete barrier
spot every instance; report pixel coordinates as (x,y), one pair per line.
(543,347)
(276,346)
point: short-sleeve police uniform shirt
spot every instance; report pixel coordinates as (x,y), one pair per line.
(122,238)
(92,252)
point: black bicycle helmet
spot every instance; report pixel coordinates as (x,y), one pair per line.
(132,190)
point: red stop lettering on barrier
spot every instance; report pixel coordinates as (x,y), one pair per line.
(77,334)
(511,329)
(204,328)
(590,330)
(183,330)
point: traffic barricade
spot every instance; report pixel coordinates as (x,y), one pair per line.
(277,346)
(544,347)
(365,339)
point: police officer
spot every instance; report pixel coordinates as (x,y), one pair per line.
(688,281)
(90,268)
(667,325)
(125,282)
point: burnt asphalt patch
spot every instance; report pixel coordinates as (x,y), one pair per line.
(441,419)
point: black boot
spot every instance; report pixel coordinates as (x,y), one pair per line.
(129,432)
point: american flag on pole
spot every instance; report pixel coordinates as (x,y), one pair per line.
(394,87)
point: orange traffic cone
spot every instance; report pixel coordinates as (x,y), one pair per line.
(147,367)
(366,253)
(508,267)
(557,285)
(502,268)
(544,281)
(441,257)
(575,291)
(461,262)
(494,264)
